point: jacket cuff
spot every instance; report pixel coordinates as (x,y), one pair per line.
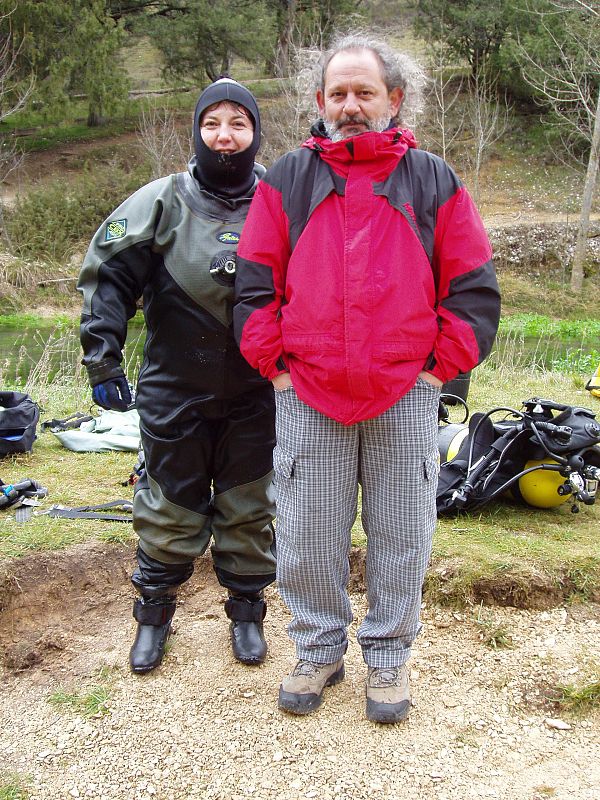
(278,368)
(103,371)
(433,368)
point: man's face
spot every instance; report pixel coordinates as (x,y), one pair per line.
(355,98)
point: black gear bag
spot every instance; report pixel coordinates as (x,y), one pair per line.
(496,457)
(19,415)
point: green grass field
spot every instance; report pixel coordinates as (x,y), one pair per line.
(516,548)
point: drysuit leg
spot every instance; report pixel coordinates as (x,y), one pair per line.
(243,547)
(172,505)
(153,611)
(228,451)
(243,503)
(171,535)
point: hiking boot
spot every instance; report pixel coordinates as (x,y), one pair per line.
(301,692)
(388,694)
(247,613)
(153,616)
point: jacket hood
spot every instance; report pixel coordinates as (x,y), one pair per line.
(225,174)
(382,149)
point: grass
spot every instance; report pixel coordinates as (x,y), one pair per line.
(46,358)
(514,550)
(12,787)
(493,635)
(72,479)
(570,346)
(516,547)
(51,136)
(33,320)
(546,187)
(510,544)
(579,699)
(543,325)
(521,293)
(91,702)
(35,132)
(49,225)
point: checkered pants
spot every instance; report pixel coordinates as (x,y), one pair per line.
(319,464)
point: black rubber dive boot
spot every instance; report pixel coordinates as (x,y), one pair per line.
(153,615)
(247,612)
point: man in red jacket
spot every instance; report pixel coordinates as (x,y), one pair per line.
(364,283)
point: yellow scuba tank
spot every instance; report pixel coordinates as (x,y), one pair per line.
(450,438)
(540,487)
(593,385)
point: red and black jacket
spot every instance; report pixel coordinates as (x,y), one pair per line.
(361,263)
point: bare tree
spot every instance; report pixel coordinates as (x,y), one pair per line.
(285,40)
(488,116)
(159,138)
(569,84)
(586,204)
(444,91)
(292,115)
(13,96)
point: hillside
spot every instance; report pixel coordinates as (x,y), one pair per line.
(529,208)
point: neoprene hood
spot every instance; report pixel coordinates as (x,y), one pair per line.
(225,174)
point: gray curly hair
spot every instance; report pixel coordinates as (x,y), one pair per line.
(397,70)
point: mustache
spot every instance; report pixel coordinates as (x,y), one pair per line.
(355,120)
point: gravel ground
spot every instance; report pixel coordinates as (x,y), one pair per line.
(204,726)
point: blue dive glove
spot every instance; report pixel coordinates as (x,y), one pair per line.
(113,394)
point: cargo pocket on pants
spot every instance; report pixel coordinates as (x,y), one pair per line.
(431,468)
(283,464)
(285,494)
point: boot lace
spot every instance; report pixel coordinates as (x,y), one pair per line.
(308,669)
(381,677)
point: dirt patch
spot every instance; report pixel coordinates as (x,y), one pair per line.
(43,166)
(534,592)
(205,727)
(46,597)
(49,599)
(447,583)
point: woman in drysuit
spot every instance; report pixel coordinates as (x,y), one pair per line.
(207,418)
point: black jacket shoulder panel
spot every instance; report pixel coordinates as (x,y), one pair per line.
(304,181)
(421,183)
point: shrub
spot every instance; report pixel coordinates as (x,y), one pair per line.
(51,221)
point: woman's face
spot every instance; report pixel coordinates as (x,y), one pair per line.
(226,128)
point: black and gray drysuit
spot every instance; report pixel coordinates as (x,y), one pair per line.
(207,417)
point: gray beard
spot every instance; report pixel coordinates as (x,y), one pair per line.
(336,134)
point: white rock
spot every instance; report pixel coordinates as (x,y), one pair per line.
(557,724)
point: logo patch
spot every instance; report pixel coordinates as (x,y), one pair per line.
(115,229)
(229,237)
